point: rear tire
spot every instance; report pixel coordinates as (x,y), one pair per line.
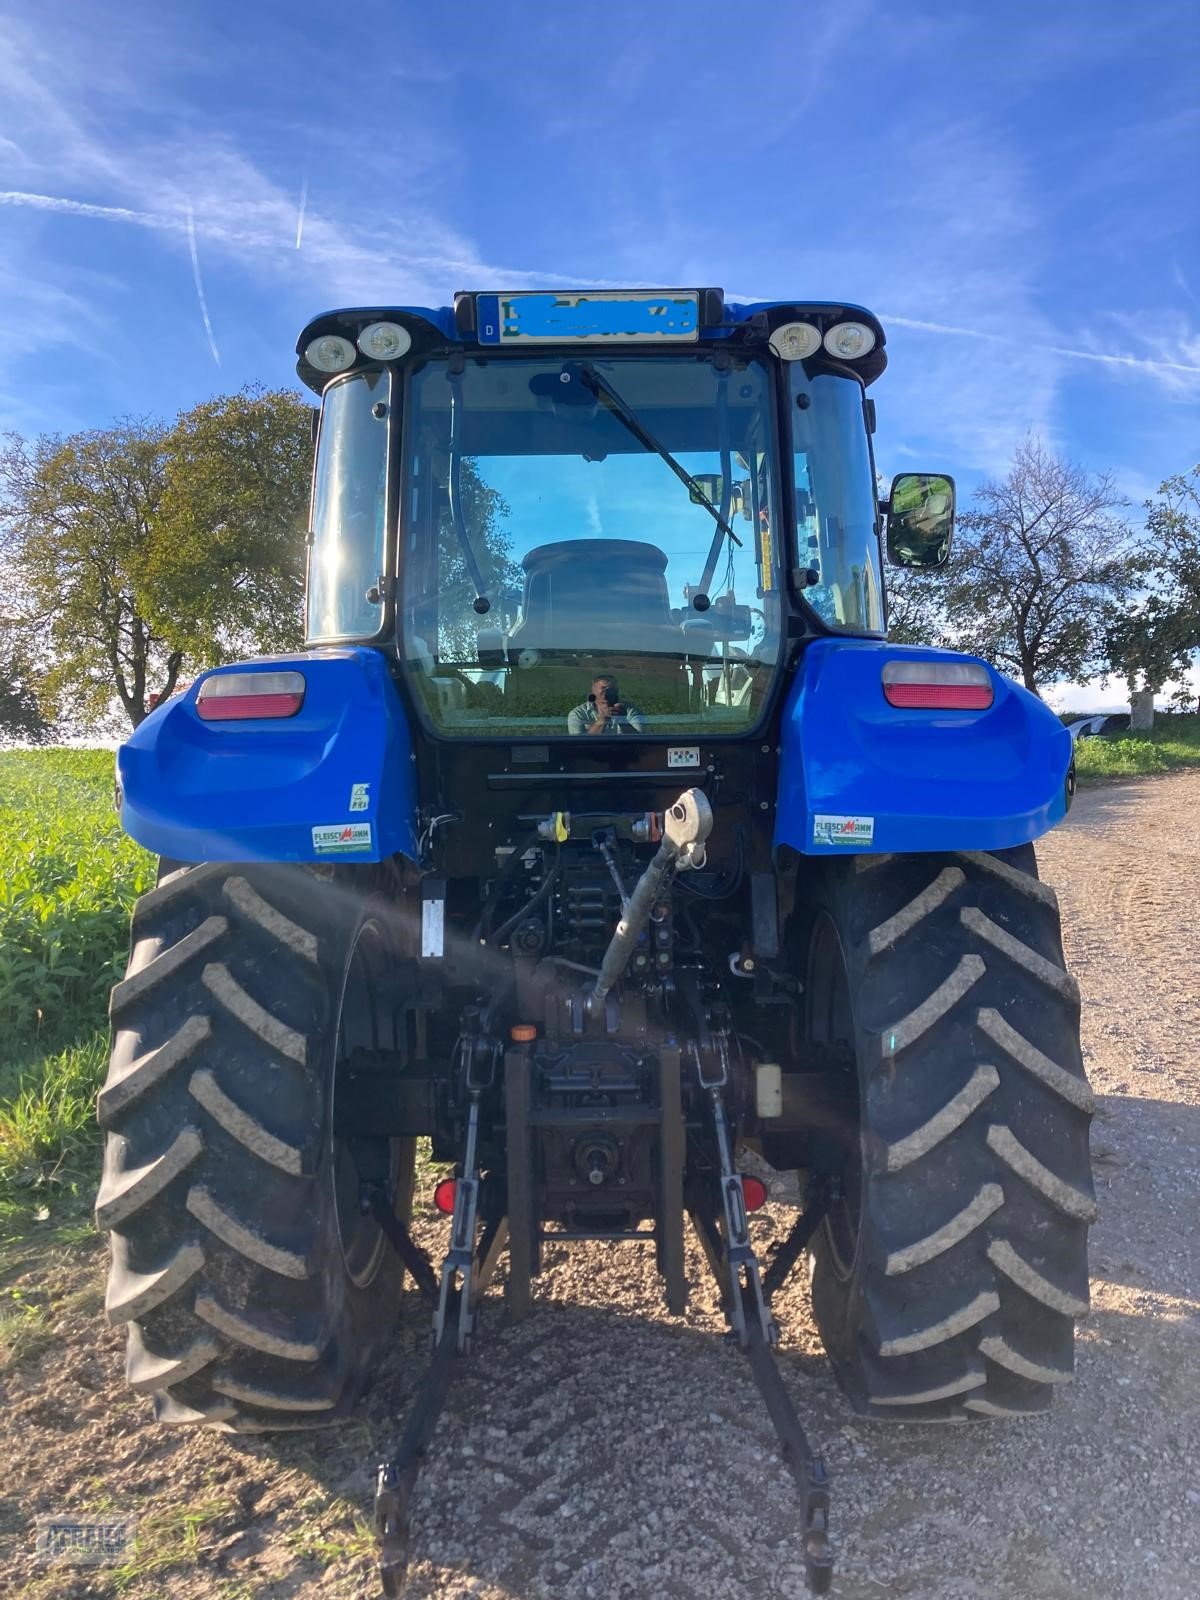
(257,1295)
(947,1282)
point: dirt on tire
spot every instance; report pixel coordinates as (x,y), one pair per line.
(605,1449)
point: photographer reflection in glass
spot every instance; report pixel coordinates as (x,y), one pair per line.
(604,711)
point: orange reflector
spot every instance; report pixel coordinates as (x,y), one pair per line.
(524,1033)
(755,1192)
(443,1195)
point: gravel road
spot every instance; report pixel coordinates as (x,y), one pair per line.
(605,1451)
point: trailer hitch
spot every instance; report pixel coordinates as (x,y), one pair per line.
(807,1469)
(718,1212)
(464,1275)
(746,1301)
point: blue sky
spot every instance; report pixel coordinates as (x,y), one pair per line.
(1011,188)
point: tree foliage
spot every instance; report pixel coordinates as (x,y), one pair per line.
(1035,568)
(141,551)
(1156,638)
(916,603)
(225,576)
(78,515)
(21,718)
(485,510)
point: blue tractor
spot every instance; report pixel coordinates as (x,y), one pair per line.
(600,837)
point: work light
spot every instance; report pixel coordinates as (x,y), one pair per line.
(330,353)
(795,340)
(846,340)
(384,341)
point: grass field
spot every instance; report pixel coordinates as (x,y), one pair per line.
(1173,743)
(68,877)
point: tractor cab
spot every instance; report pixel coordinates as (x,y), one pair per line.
(535,489)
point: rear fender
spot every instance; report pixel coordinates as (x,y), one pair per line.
(857,774)
(334,782)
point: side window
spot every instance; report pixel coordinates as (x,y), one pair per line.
(349,511)
(836,532)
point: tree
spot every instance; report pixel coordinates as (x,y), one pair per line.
(1036,567)
(916,606)
(21,719)
(141,550)
(224,573)
(1156,638)
(484,511)
(78,515)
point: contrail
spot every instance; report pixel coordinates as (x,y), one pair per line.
(191,232)
(303,209)
(81,208)
(1136,363)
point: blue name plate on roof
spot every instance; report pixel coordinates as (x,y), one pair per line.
(590,317)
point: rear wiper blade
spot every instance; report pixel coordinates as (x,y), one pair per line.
(624,413)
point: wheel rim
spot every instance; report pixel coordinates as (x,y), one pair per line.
(363,1023)
(830,1028)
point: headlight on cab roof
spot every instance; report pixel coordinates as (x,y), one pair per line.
(849,340)
(384,341)
(795,341)
(237,696)
(330,353)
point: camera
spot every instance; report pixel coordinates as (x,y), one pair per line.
(609,695)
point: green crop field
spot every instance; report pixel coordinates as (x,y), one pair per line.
(68,877)
(1173,743)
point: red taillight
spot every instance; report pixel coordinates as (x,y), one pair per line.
(937,685)
(754,1191)
(939,696)
(234,696)
(443,1196)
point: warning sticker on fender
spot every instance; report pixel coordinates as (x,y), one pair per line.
(843,830)
(338,837)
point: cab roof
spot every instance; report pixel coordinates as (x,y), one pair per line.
(440,329)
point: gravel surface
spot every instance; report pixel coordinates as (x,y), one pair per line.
(604,1450)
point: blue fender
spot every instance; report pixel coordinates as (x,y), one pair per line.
(857,774)
(334,782)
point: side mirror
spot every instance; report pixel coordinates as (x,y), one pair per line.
(709,483)
(920,520)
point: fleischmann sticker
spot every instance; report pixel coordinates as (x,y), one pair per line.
(843,830)
(338,837)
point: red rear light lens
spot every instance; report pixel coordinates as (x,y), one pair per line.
(443,1196)
(754,1191)
(234,696)
(937,685)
